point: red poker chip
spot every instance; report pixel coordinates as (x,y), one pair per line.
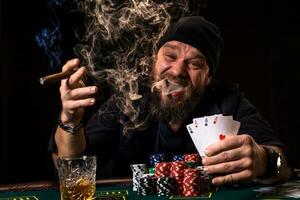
(177,168)
(162,169)
(190,193)
(192,157)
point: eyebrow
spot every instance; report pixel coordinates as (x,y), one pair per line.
(171,46)
(195,55)
(198,55)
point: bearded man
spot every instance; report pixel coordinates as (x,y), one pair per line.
(182,88)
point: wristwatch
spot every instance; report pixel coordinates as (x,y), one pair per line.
(274,160)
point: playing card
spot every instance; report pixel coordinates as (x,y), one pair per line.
(196,140)
(210,129)
(226,125)
(205,120)
(235,127)
(207,128)
(199,128)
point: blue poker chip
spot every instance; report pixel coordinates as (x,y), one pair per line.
(178,157)
(156,158)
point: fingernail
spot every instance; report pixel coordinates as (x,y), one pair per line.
(93,89)
(207,152)
(205,169)
(214,182)
(92,101)
(203,161)
(74,61)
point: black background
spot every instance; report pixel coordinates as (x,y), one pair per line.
(261,52)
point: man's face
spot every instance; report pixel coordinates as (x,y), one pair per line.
(186,72)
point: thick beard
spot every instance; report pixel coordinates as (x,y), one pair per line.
(174,111)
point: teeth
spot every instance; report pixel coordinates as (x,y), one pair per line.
(167,86)
(171,87)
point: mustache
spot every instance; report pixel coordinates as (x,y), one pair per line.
(169,83)
(179,80)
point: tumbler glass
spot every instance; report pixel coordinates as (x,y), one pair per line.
(77,177)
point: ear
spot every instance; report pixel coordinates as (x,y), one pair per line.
(207,80)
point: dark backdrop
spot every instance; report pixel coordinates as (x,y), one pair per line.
(261,52)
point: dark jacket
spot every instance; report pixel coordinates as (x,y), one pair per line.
(117,151)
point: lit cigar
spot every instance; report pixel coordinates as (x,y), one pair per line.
(56,77)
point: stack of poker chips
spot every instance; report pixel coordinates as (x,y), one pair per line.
(193,160)
(165,183)
(138,170)
(178,157)
(205,182)
(147,185)
(162,169)
(182,177)
(165,186)
(156,158)
(191,182)
(193,157)
(176,171)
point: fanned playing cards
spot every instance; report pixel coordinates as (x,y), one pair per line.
(210,129)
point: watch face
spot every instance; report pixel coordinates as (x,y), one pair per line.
(273,162)
(279,161)
(276,162)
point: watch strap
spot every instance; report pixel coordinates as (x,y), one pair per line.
(68,128)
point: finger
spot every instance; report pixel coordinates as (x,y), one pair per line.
(229,167)
(80,93)
(81,83)
(76,78)
(74,81)
(75,104)
(239,177)
(227,144)
(225,156)
(71,64)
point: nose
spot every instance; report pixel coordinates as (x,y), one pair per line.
(178,68)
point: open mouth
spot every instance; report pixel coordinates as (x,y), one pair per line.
(167,87)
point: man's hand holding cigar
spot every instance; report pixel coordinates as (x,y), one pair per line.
(75,96)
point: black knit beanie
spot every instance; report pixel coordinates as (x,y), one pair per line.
(199,33)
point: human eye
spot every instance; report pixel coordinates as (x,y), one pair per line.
(195,64)
(170,56)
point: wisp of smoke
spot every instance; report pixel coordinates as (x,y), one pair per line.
(49,38)
(118,45)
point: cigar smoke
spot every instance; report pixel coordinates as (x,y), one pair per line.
(166,86)
(48,38)
(119,44)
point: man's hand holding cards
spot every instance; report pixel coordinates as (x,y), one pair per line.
(207,130)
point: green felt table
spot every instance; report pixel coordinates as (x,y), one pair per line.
(52,193)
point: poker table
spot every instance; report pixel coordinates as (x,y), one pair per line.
(122,189)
